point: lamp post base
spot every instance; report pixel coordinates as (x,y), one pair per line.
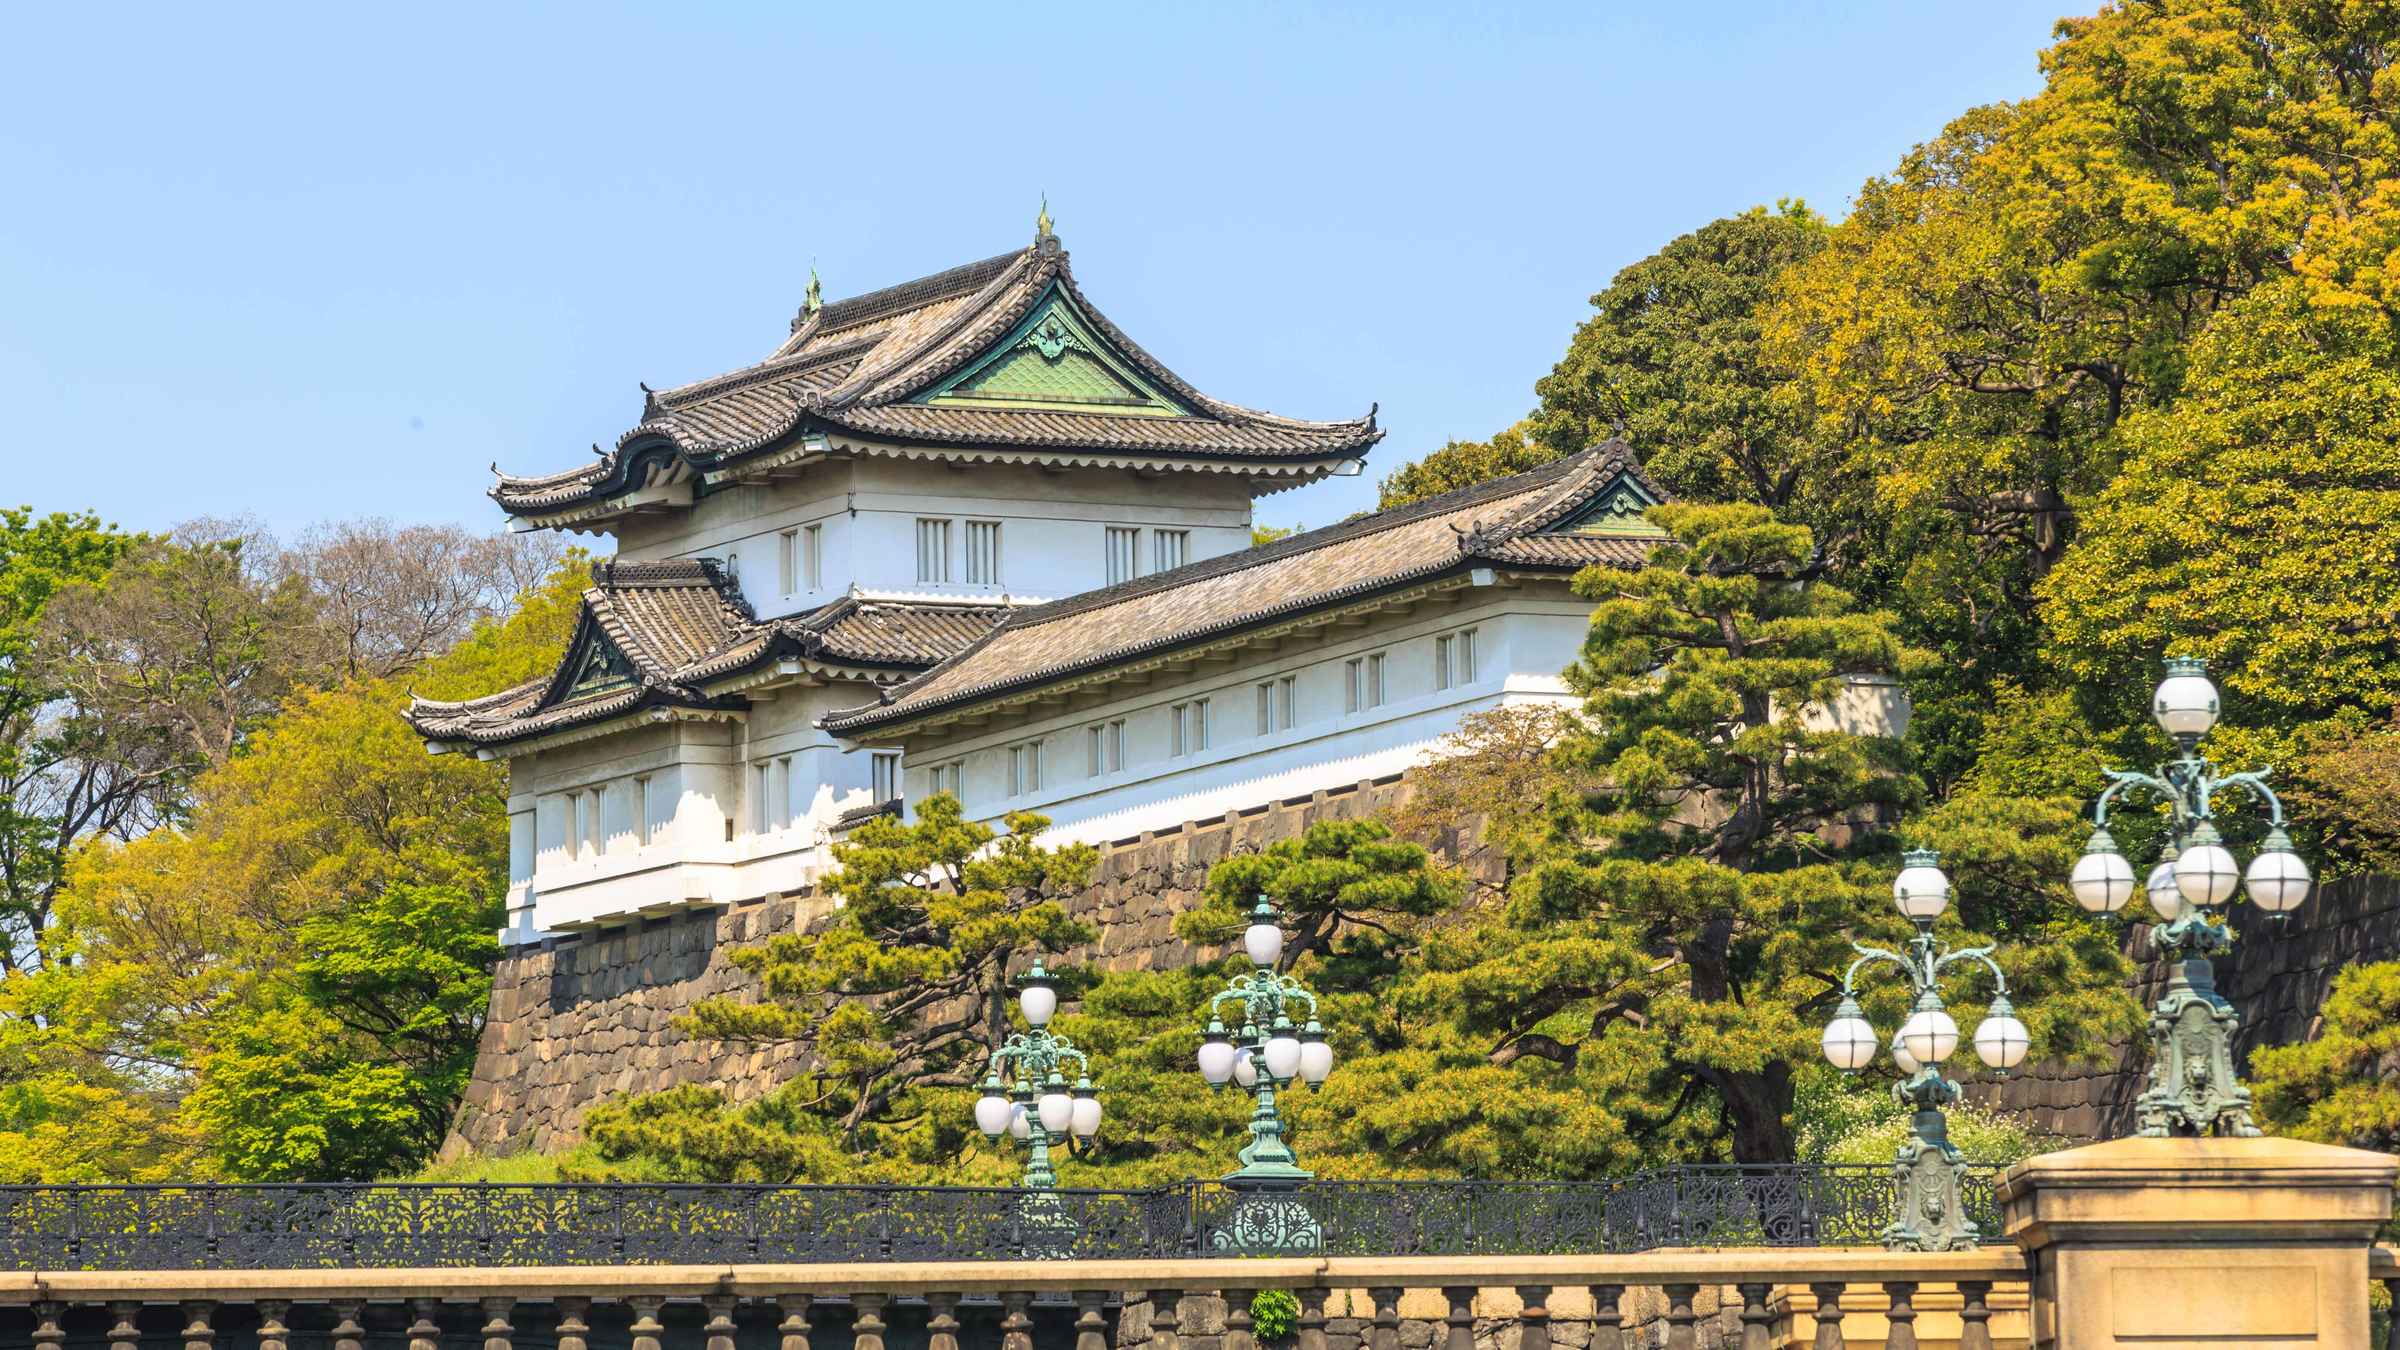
(1930,1176)
(2192,1088)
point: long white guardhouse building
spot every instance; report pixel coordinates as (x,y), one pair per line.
(964,535)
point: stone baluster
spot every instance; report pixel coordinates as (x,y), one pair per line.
(1608,1322)
(425,1333)
(1091,1326)
(48,1324)
(273,1333)
(866,1322)
(941,1322)
(794,1326)
(1385,1334)
(1682,1322)
(1902,1315)
(1758,1320)
(574,1323)
(1975,1315)
(498,1332)
(1461,1298)
(350,1332)
(1239,1331)
(1829,1317)
(1016,1327)
(646,1328)
(1533,1318)
(127,1333)
(1309,1329)
(720,1329)
(1166,1319)
(199,1333)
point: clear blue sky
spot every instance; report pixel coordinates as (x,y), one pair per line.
(335,260)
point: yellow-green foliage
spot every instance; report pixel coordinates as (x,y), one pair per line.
(2252,525)
(289,986)
(2344,1086)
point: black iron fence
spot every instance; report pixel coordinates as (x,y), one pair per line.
(202,1227)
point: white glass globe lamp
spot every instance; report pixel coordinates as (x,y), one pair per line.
(1930,1035)
(2160,890)
(1921,890)
(2205,872)
(1262,941)
(1217,1055)
(2102,880)
(2277,880)
(1087,1109)
(1283,1054)
(1037,995)
(1316,1054)
(2000,1039)
(2185,703)
(1849,1040)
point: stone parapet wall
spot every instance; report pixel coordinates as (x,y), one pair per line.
(579,1019)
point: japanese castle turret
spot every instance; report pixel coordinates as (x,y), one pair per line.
(904,470)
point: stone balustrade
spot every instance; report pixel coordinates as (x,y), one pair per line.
(2155,1243)
(1679,1300)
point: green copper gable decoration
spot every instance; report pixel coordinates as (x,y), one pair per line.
(602,668)
(1054,358)
(1614,510)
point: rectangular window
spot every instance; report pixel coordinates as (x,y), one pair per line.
(1462,665)
(1024,768)
(1170,548)
(1441,663)
(933,552)
(812,548)
(944,778)
(1375,680)
(983,553)
(1124,554)
(1108,747)
(595,831)
(1275,699)
(758,798)
(1189,724)
(787,793)
(641,812)
(884,775)
(787,561)
(573,810)
(1354,685)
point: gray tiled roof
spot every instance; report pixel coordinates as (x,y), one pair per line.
(1505,522)
(680,625)
(858,366)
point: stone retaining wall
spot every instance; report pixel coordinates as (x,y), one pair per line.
(579,1019)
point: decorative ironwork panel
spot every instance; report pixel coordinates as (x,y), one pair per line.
(299,1226)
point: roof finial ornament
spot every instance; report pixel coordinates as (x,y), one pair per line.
(816,293)
(1041,223)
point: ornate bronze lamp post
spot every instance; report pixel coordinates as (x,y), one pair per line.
(1928,1170)
(1026,1093)
(1262,1051)
(2193,1089)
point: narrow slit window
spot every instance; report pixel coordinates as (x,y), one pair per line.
(983,552)
(641,811)
(1441,663)
(933,552)
(1124,554)
(1170,548)
(884,775)
(812,542)
(787,561)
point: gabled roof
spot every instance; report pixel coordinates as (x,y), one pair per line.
(660,634)
(1583,509)
(999,358)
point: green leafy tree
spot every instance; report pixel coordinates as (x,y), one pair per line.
(1685,930)
(906,988)
(292,982)
(63,778)
(2343,1087)
(2251,525)
(1463,464)
(1348,890)
(1672,361)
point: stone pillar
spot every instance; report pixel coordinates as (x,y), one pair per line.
(2174,1242)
